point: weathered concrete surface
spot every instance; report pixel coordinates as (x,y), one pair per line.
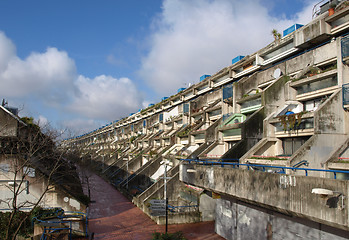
(112,216)
(291,195)
(238,220)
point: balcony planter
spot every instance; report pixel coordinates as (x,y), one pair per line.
(292,121)
(331,9)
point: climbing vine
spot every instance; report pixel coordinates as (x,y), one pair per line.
(292,121)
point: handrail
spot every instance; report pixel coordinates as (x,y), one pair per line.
(173,208)
(61,217)
(222,164)
(303,162)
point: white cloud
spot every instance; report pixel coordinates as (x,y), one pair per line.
(78,126)
(189,39)
(7,51)
(105,97)
(48,75)
(305,16)
(192,38)
(49,81)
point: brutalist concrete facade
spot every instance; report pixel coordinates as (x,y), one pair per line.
(285,105)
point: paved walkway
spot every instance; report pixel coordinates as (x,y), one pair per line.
(112,216)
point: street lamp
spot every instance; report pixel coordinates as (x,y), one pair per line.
(166,163)
(127,172)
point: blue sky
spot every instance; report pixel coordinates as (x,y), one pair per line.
(80,64)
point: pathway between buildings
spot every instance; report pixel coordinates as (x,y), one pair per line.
(112,216)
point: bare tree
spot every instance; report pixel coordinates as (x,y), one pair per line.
(32,165)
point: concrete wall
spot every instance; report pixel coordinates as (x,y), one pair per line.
(274,96)
(268,74)
(287,194)
(317,150)
(299,63)
(330,117)
(251,134)
(207,207)
(311,33)
(330,127)
(238,220)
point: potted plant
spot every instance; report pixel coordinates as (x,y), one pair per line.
(331,8)
(276,35)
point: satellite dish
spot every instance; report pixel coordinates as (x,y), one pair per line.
(66,199)
(277,73)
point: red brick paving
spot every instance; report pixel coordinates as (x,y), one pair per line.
(112,216)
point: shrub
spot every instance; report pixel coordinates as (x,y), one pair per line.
(168,236)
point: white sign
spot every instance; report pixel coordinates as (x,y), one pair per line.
(156,201)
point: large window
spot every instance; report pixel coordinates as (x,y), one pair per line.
(311,87)
(228,91)
(278,51)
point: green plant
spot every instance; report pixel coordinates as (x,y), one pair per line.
(152,153)
(314,70)
(133,138)
(184,133)
(292,121)
(276,35)
(168,236)
(228,100)
(24,231)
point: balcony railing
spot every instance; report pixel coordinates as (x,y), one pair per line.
(345,47)
(345,90)
(264,168)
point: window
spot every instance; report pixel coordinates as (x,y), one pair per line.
(291,145)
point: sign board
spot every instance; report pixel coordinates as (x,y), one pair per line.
(159,202)
(158,213)
(157,207)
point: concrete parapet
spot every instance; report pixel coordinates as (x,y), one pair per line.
(291,195)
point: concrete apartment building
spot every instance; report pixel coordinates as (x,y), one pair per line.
(261,146)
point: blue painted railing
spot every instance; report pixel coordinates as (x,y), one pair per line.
(263,167)
(345,47)
(60,217)
(345,93)
(303,162)
(173,208)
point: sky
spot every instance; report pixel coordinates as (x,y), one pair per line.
(77,65)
